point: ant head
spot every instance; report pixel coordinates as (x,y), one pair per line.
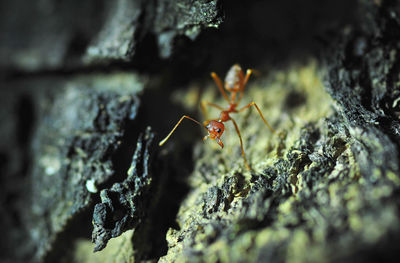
(215,130)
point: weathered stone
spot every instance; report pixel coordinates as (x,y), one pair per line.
(78,133)
(126,203)
(46,35)
(324,187)
(119,34)
(183,18)
(55,35)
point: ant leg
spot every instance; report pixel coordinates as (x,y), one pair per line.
(214,105)
(241,144)
(179,122)
(245,80)
(203,107)
(220,86)
(259,111)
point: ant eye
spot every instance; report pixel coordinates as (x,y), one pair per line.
(218,130)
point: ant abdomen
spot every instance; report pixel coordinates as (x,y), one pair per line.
(234,78)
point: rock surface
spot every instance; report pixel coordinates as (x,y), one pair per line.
(78,134)
(53,35)
(125,204)
(78,161)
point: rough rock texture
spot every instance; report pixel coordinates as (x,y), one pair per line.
(129,21)
(125,204)
(289,200)
(117,38)
(78,132)
(331,193)
(183,18)
(324,187)
(363,78)
(53,35)
(46,35)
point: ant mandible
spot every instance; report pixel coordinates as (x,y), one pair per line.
(235,82)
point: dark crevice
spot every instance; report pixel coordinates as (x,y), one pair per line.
(146,59)
(169,186)
(365,83)
(76,228)
(10,74)
(393,90)
(122,157)
(389,26)
(77,45)
(25,120)
(355,50)
(169,190)
(385,250)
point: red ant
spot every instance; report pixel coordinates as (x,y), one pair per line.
(235,81)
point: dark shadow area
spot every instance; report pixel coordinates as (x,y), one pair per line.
(25,119)
(149,240)
(384,251)
(25,127)
(256,34)
(77,227)
(171,169)
(122,158)
(293,100)
(259,34)
(15,161)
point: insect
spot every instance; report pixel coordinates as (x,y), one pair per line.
(235,83)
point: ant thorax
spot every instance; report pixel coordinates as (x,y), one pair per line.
(224,116)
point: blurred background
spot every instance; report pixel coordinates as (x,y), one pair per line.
(82,80)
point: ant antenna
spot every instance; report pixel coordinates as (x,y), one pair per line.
(176,126)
